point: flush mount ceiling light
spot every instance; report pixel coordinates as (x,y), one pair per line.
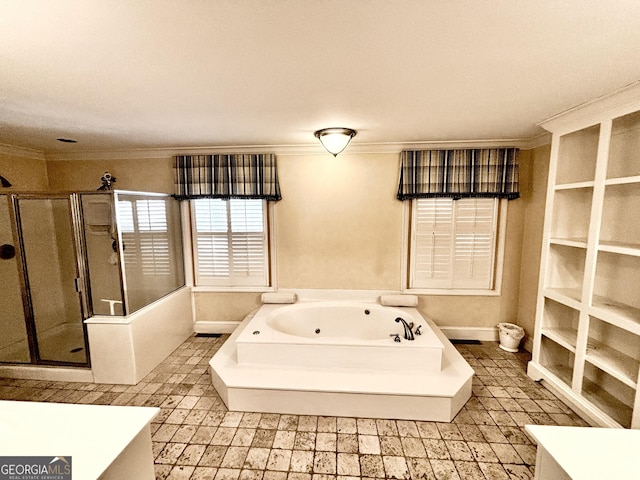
(335,140)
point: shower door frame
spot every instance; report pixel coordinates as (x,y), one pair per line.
(82,239)
(84,303)
(24,292)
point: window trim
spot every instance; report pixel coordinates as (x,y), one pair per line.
(499,258)
(190,256)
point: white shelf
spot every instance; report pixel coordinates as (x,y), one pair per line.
(565,337)
(618,314)
(570,242)
(588,318)
(563,372)
(607,403)
(615,363)
(622,180)
(567,296)
(632,249)
(575,185)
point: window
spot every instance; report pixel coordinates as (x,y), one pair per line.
(453,244)
(230,242)
(143,225)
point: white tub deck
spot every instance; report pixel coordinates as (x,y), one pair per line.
(409,392)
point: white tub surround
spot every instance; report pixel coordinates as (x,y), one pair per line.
(337,335)
(125,349)
(103,442)
(339,374)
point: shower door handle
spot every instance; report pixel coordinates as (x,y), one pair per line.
(76,282)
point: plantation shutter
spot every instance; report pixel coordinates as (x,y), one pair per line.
(143,226)
(230,242)
(126,225)
(474,248)
(453,243)
(153,237)
(433,234)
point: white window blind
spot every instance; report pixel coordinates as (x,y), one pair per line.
(453,243)
(143,225)
(231,243)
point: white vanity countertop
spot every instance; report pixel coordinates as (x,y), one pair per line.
(591,453)
(92,435)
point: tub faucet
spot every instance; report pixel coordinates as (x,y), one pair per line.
(408,334)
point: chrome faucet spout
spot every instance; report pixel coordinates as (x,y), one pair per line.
(408,333)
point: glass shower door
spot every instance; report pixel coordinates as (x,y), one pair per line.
(51,273)
(14,342)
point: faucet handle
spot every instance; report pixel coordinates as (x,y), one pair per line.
(396,337)
(418,332)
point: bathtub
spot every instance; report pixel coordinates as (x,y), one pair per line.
(337,358)
(345,335)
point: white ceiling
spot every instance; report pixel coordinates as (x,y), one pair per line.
(126,74)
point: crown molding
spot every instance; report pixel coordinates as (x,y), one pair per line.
(617,103)
(538,141)
(21,152)
(295,150)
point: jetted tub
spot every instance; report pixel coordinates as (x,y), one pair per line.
(338,335)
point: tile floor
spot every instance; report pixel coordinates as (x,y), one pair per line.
(195,437)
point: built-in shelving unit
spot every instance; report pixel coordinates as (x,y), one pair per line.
(587,336)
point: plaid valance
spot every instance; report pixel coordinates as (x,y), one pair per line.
(485,172)
(227,176)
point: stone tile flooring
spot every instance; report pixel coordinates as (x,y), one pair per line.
(196,437)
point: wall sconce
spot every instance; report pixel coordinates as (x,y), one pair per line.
(4,182)
(335,140)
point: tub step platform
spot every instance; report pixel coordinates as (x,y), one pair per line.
(410,393)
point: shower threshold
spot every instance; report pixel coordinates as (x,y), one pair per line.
(62,343)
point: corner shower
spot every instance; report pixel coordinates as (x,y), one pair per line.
(65,258)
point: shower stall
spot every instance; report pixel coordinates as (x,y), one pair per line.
(67,258)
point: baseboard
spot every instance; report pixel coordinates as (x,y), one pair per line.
(204,326)
(486,334)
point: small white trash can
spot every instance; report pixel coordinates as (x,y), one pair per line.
(510,336)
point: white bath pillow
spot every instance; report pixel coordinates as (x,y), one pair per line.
(279,297)
(399,300)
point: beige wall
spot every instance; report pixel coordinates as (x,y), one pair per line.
(25,172)
(535,170)
(143,175)
(339,226)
